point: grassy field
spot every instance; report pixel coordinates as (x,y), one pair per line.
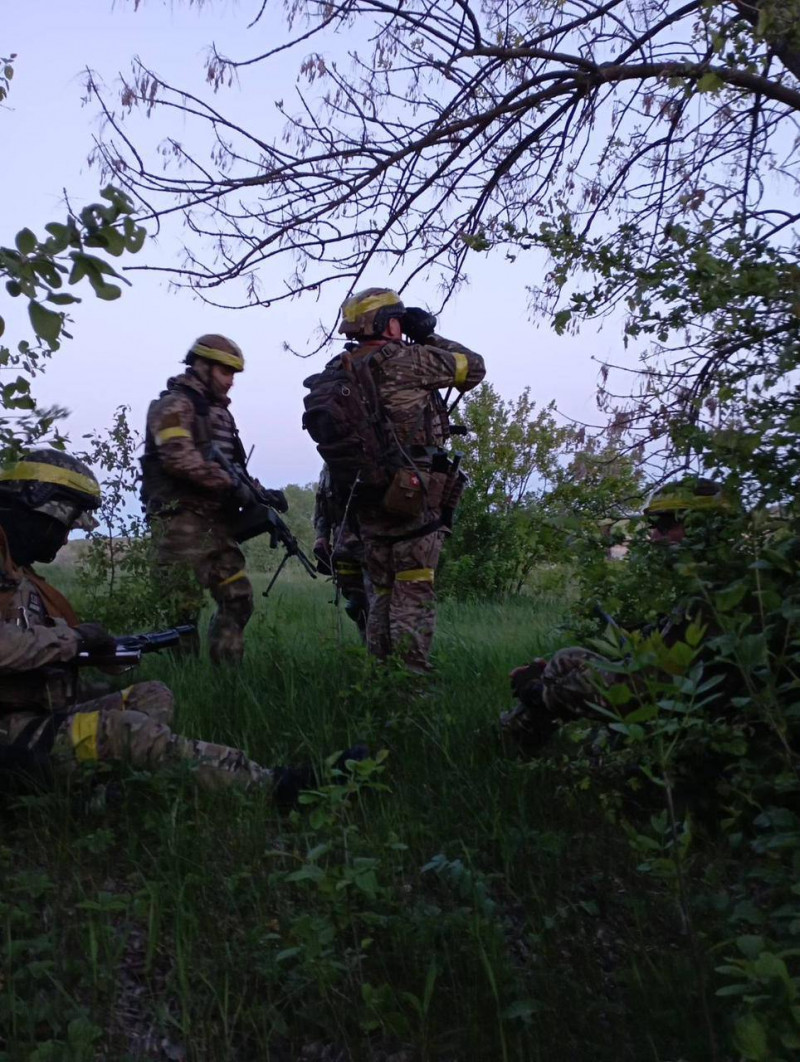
(449,903)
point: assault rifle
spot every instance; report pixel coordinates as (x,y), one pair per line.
(130,647)
(258,517)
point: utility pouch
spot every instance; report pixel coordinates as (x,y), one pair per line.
(407,493)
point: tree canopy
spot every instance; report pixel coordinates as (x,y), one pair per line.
(649,147)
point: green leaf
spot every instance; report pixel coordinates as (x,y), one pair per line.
(750,945)
(46,323)
(750,1038)
(26,241)
(709,82)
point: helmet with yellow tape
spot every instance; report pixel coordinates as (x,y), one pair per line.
(368,312)
(690,494)
(218,349)
(55,484)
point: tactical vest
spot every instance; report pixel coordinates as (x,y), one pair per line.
(159,490)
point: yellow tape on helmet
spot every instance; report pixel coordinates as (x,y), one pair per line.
(354,309)
(223,357)
(670,503)
(39,472)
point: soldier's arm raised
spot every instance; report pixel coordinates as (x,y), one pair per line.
(171,422)
(444,363)
(27,649)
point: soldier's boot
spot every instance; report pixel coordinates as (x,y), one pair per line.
(357,609)
(529,725)
(290,782)
(226,630)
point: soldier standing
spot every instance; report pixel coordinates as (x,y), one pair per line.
(192,502)
(340,552)
(406,484)
(42,498)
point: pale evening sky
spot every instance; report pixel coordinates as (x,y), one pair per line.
(124,351)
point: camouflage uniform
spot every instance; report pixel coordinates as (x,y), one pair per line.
(401,553)
(191,509)
(554,691)
(346,553)
(38,717)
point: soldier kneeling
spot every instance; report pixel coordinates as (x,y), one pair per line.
(42,498)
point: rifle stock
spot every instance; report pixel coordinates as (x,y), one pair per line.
(130,647)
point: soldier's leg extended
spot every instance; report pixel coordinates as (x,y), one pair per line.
(227,580)
(175,540)
(349,577)
(402,575)
(378,562)
(134,725)
(190,540)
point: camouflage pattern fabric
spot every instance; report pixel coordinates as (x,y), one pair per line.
(132,725)
(409,376)
(195,552)
(554,691)
(176,472)
(402,617)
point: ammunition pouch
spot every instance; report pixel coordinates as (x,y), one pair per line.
(407,493)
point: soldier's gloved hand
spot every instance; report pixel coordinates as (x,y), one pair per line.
(96,639)
(418,324)
(277,499)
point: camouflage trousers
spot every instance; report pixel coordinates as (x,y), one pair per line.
(193,553)
(555,691)
(133,725)
(350,579)
(402,618)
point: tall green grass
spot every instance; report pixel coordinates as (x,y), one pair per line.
(457,905)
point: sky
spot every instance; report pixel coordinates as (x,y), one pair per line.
(124,351)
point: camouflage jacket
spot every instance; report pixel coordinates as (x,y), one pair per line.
(36,639)
(181,422)
(408,378)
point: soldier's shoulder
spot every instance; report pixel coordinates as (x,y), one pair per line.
(172,400)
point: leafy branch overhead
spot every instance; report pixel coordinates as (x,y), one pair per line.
(427,130)
(38,270)
(612,139)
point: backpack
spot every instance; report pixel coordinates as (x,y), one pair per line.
(344,417)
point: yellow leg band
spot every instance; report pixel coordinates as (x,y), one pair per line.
(125,694)
(83,735)
(415,575)
(382,591)
(233,578)
(347,569)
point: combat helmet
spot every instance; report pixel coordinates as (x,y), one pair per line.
(54,483)
(217,348)
(690,494)
(367,313)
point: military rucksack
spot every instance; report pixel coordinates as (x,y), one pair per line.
(344,417)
